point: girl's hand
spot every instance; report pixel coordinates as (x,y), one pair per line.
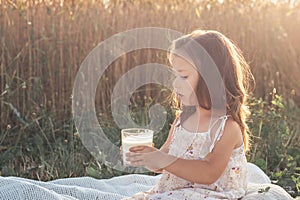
(121,153)
(149,157)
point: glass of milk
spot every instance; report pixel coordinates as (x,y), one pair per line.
(135,137)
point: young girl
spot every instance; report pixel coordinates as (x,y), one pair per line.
(204,155)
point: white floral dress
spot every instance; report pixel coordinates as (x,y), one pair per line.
(232,184)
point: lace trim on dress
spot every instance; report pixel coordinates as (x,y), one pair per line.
(214,137)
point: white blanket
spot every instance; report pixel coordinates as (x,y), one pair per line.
(117,188)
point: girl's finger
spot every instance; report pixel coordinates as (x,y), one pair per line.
(137,148)
(134,156)
(137,163)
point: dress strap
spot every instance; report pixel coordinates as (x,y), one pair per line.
(219,132)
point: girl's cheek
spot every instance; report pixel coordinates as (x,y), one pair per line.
(175,83)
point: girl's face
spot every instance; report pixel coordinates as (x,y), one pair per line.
(186,81)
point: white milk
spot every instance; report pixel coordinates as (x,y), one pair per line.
(129,141)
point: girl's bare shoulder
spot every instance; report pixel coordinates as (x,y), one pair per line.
(233,131)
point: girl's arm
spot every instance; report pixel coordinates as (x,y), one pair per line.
(208,171)
(165,147)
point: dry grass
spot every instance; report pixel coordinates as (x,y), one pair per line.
(43,44)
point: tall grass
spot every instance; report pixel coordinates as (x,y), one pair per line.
(43,44)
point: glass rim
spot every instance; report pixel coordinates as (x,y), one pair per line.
(132,130)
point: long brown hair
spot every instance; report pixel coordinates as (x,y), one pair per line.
(234,70)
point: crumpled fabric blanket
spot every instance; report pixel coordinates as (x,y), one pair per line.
(257,181)
(118,187)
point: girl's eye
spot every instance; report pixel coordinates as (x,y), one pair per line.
(183,77)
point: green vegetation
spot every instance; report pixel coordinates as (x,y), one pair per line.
(275,142)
